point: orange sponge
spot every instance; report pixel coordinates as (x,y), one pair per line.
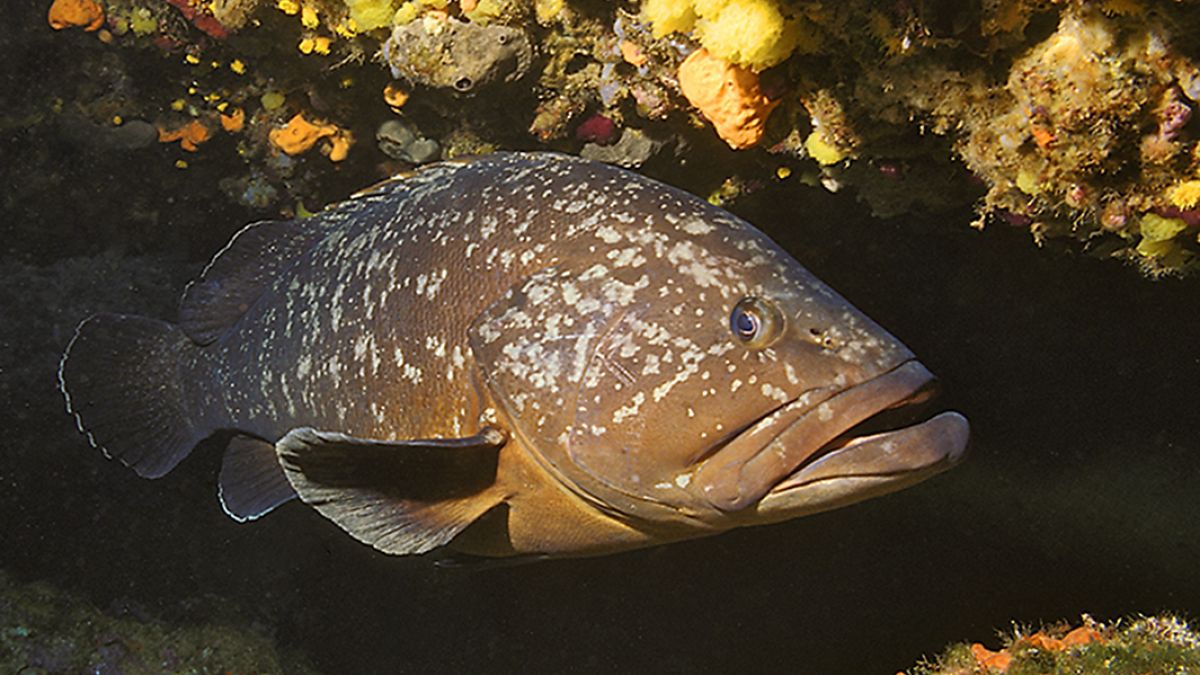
(299,135)
(70,13)
(190,135)
(728,96)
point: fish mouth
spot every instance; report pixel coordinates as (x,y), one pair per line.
(870,431)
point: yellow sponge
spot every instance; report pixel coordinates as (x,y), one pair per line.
(669,16)
(754,34)
(371,14)
(750,33)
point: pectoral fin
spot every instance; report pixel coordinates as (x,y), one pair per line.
(402,497)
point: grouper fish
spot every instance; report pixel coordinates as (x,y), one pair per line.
(516,354)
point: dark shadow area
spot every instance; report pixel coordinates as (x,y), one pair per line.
(1077,496)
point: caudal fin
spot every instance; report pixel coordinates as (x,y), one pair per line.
(121,379)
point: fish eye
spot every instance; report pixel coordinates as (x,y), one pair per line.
(756,322)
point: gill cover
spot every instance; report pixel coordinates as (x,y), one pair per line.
(550,351)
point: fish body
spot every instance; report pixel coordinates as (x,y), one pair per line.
(524,353)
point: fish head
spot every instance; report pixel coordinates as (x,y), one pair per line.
(688,374)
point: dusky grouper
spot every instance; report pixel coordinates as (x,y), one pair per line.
(523,353)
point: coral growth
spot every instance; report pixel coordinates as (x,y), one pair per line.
(1160,644)
(371,14)
(233,120)
(202,17)
(233,14)
(190,135)
(1067,134)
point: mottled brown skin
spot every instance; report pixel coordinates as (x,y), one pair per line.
(584,313)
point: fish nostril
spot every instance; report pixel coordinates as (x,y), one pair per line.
(823,339)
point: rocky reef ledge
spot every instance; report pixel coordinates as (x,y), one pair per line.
(1070,118)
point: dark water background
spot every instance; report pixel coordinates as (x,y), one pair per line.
(1079,494)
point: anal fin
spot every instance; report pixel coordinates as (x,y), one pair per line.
(252,483)
(402,497)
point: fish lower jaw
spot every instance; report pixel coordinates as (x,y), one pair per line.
(868,414)
(930,446)
(808,490)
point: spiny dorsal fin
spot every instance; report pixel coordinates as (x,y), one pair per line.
(237,275)
(385,184)
(262,251)
(404,178)
(402,497)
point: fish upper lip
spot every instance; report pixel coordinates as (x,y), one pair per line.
(795,434)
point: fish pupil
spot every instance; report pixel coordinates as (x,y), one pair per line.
(745,324)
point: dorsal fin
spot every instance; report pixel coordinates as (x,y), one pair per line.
(404,178)
(261,251)
(238,274)
(386,183)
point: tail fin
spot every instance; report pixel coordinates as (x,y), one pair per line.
(121,379)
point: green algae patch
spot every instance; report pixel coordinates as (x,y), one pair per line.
(1158,228)
(45,630)
(1158,235)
